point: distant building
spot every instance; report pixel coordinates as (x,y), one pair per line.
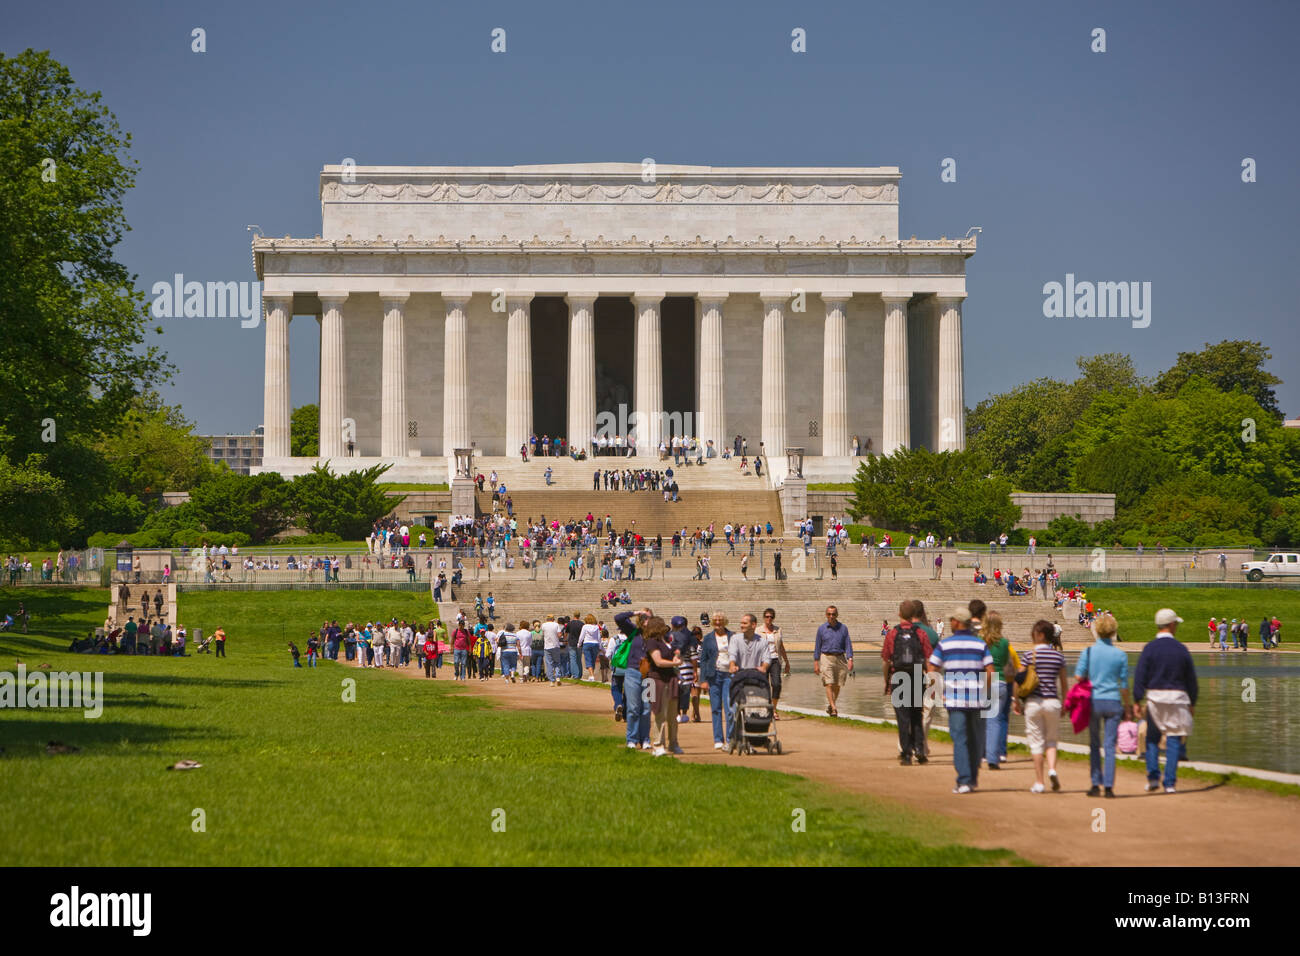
(240,452)
(1291,423)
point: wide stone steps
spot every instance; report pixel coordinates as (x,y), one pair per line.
(566,474)
(651,514)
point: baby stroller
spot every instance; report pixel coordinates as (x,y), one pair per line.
(751,702)
(203,645)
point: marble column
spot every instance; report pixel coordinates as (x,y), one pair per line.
(895,427)
(455,373)
(276,411)
(519,371)
(649,400)
(713,399)
(333,375)
(582,368)
(835,377)
(952,408)
(773,384)
(392,429)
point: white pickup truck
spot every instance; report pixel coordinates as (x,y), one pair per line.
(1283,562)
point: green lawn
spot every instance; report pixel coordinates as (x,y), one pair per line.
(411,772)
(1135,609)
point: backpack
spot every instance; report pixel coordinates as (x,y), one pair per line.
(538,643)
(907,648)
(619,660)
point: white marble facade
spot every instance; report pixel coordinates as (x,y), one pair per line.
(814,321)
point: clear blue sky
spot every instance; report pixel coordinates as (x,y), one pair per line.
(1117,166)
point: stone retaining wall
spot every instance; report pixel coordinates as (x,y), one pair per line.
(1038,509)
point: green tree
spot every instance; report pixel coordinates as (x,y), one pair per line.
(1014,427)
(1192,509)
(304,431)
(74,324)
(31,503)
(260,506)
(347,505)
(1231,365)
(154,449)
(1126,467)
(917,490)
(74,341)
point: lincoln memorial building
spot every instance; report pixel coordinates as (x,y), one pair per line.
(473,307)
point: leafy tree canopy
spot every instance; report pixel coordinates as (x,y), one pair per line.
(1231,365)
(304,431)
(917,490)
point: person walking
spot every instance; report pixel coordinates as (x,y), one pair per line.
(933,696)
(1041,702)
(590,642)
(431,657)
(1165,678)
(662,681)
(772,633)
(1106,667)
(553,644)
(833,657)
(460,643)
(905,650)
(1004,658)
(715,671)
(508,642)
(573,641)
(635,697)
(967,668)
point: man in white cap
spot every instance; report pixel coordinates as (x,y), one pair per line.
(1166,679)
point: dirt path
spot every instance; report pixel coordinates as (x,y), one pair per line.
(1203,824)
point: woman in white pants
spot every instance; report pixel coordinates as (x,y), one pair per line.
(1042,705)
(524,638)
(380,642)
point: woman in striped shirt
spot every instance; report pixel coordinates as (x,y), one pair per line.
(1042,705)
(508,642)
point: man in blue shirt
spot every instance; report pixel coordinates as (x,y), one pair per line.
(1166,680)
(967,668)
(833,656)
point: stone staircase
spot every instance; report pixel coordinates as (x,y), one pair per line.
(118,612)
(644,511)
(566,474)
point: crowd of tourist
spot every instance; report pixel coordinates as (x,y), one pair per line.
(964,663)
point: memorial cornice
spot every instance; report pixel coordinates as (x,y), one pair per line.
(632,255)
(287,244)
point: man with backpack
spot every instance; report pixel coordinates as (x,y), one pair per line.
(905,650)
